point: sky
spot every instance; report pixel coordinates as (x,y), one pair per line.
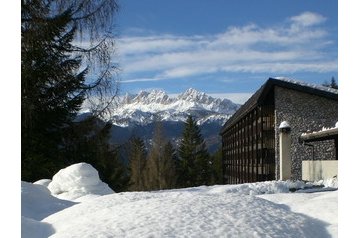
(224,48)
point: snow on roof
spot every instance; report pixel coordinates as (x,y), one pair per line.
(284,124)
(260,95)
(310,85)
(324,129)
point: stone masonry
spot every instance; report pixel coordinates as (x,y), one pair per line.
(304,112)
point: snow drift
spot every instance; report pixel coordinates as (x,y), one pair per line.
(38,201)
(36,204)
(77,182)
(183,214)
(264,209)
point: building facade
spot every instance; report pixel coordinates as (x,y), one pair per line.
(250,138)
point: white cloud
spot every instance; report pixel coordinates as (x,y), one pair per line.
(239,98)
(300,45)
(136,45)
(135,80)
(283,67)
(308,19)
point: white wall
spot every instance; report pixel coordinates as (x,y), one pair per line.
(313,170)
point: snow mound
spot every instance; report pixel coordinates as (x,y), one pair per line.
(268,187)
(328,183)
(76,181)
(38,203)
(44,182)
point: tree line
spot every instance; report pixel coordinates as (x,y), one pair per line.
(164,167)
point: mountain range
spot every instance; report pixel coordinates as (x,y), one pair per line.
(136,114)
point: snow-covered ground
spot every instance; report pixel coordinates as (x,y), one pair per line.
(265,209)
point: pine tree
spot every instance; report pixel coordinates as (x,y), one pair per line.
(216,159)
(137,163)
(169,176)
(194,165)
(52,87)
(332,84)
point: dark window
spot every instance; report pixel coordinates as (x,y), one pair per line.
(249,147)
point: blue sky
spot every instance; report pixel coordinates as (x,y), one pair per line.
(224,48)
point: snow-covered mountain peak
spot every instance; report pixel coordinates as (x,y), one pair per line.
(155,96)
(158,96)
(142,95)
(193,95)
(127,98)
(146,107)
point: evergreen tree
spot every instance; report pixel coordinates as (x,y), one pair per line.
(169,176)
(52,87)
(137,163)
(216,159)
(332,84)
(194,165)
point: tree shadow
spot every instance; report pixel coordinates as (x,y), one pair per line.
(308,226)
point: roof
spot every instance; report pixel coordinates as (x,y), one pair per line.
(259,96)
(328,134)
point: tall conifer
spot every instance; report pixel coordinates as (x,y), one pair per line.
(52,87)
(194,163)
(169,176)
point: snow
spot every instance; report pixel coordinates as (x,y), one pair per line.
(38,203)
(329,183)
(323,129)
(305,84)
(320,206)
(44,182)
(76,181)
(35,229)
(284,124)
(263,209)
(147,107)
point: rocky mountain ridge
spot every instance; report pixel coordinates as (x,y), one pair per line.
(147,107)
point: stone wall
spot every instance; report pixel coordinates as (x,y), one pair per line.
(304,112)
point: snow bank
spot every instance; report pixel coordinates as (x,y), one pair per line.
(31,228)
(322,206)
(37,201)
(78,181)
(328,183)
(196,212)
(262,209)
(267,187)
(44,182)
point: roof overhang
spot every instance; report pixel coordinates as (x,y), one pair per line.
(329,134)
(259,97)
